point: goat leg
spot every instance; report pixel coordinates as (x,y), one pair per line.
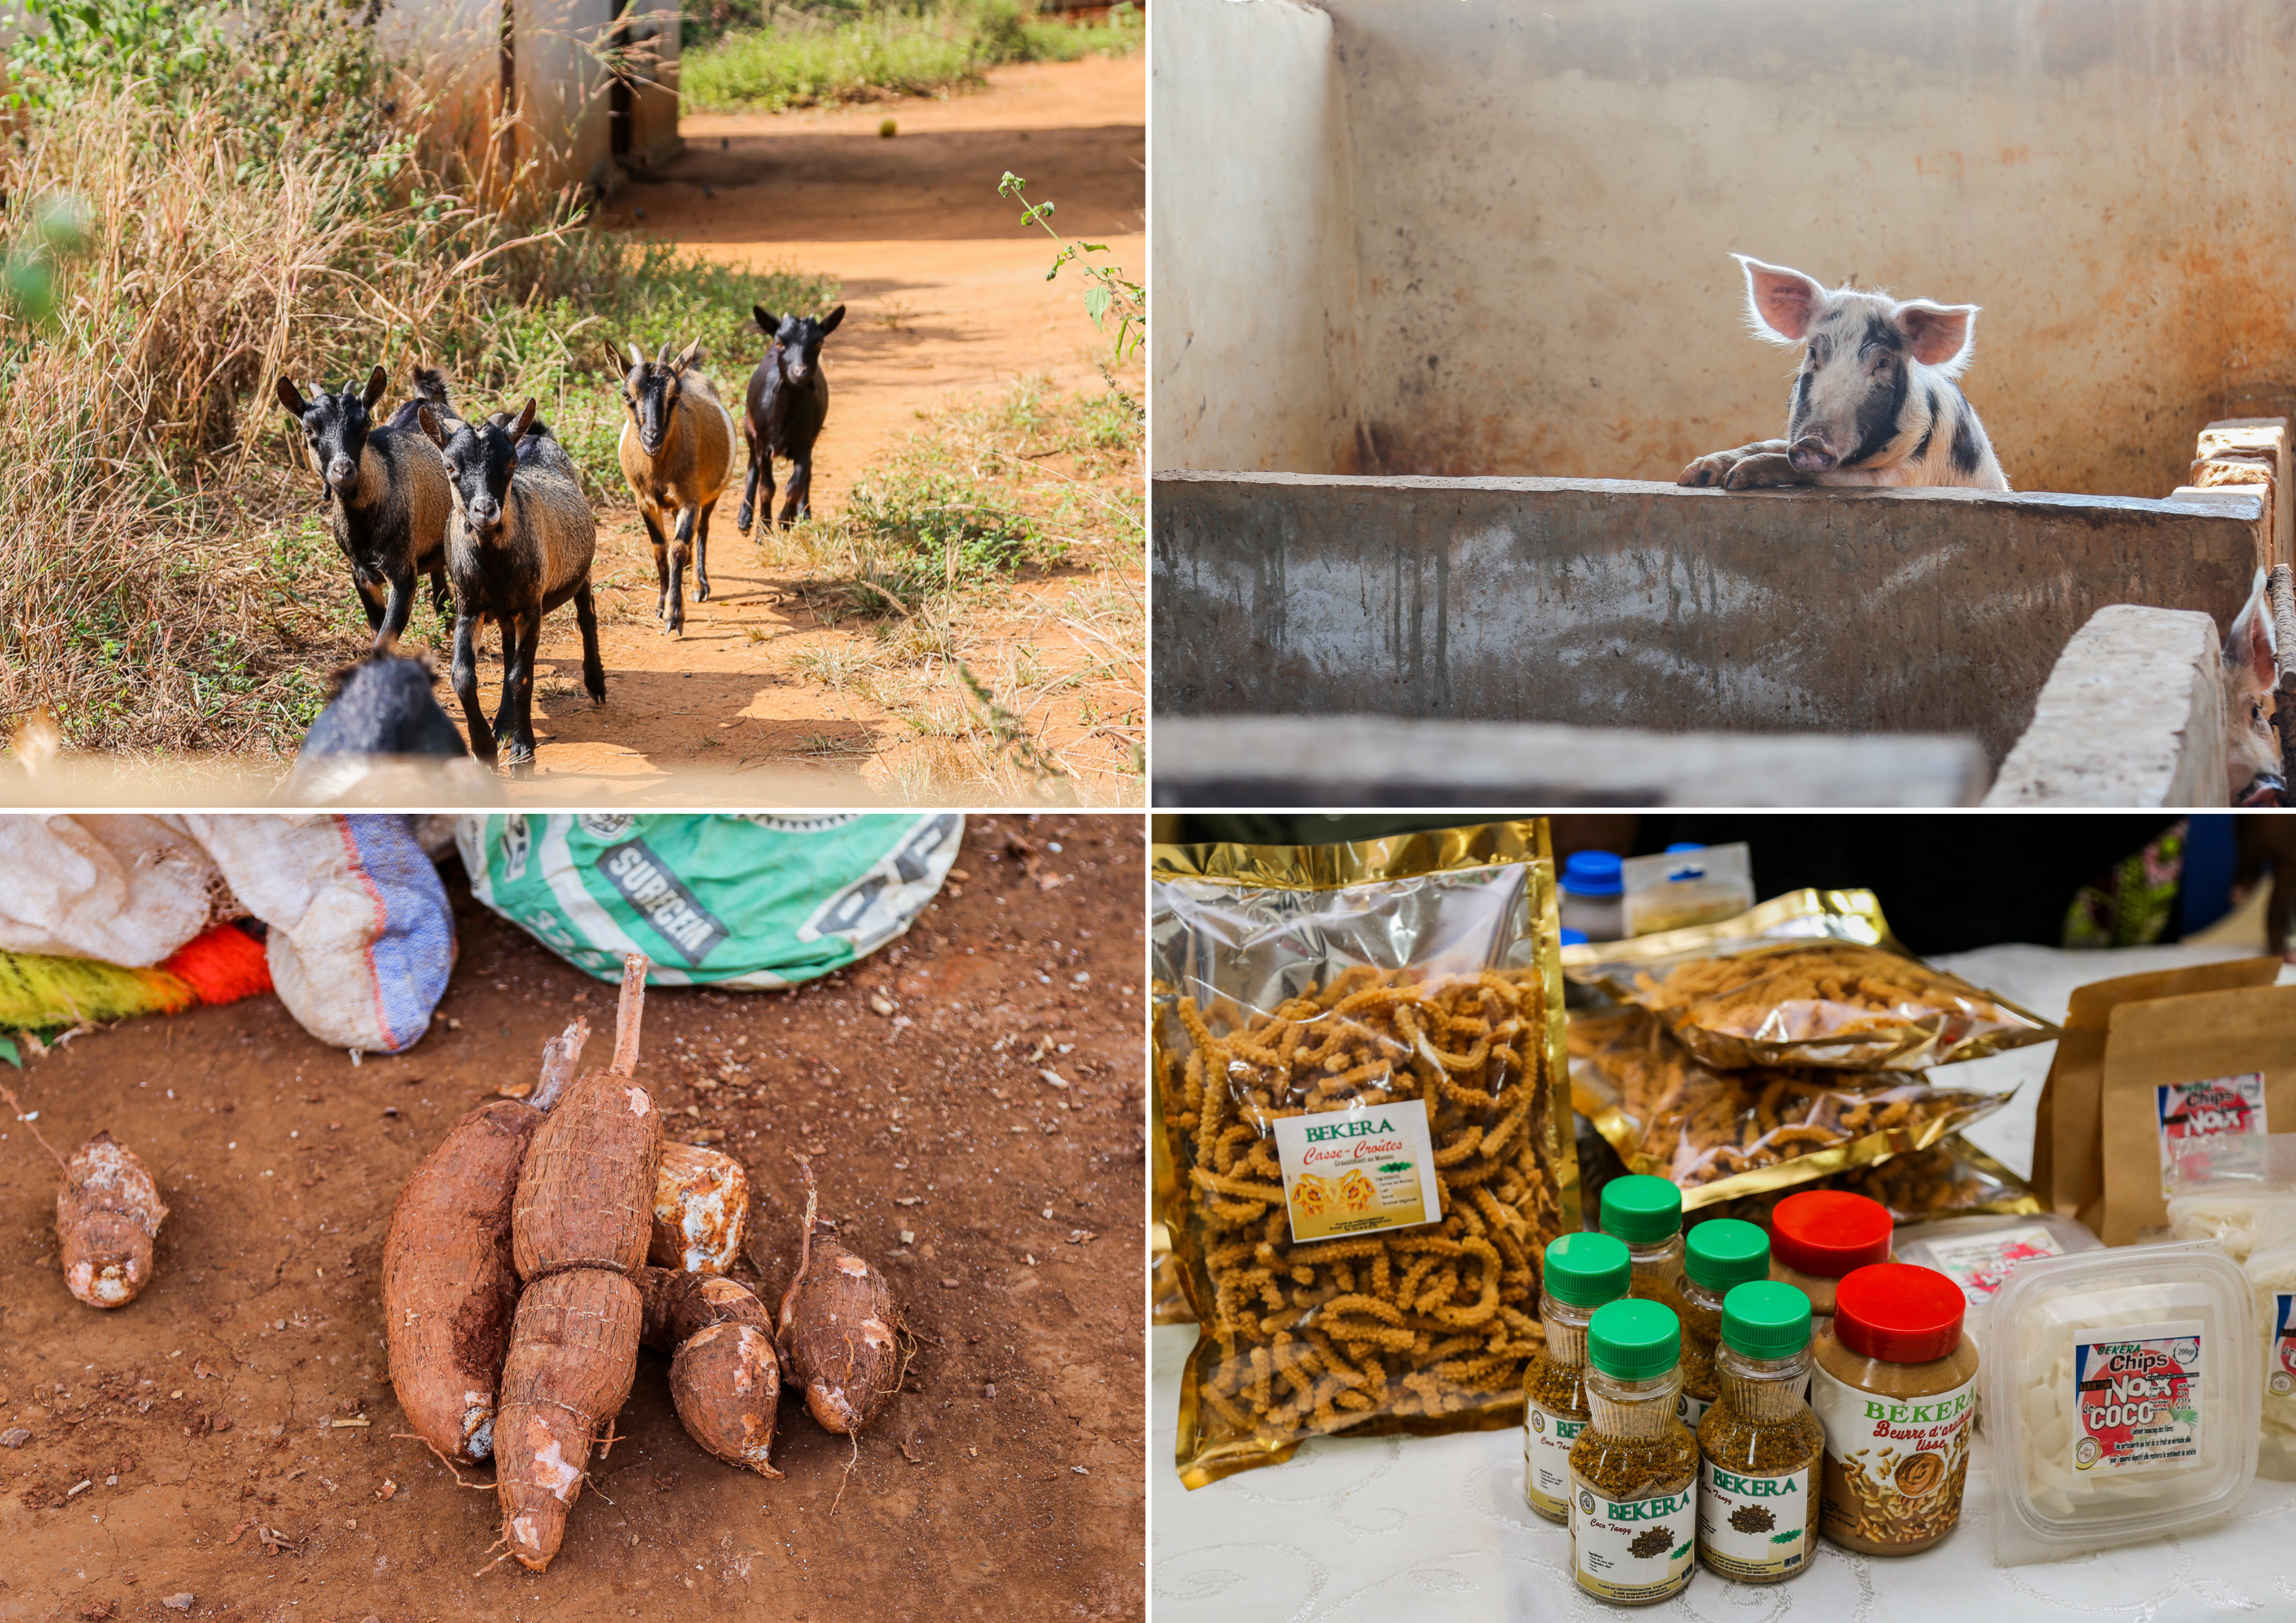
(748,508)
(593,669)
(518,693)
(701,555)
(681,549)
(466,677)
(799,504)
(399,609)
(506,707)
(660,563)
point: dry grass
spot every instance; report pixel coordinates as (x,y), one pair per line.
(994,563)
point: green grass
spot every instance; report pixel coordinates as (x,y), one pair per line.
(858,54)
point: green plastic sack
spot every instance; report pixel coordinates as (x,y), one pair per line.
(758,900)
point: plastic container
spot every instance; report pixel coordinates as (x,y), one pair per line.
(1582,1273)
(1717,1256)
(2272,1277)
(2121,1397)
(1646,1213)
(1760,1446)
(1895,1380)
(1633,1469)
(2236,1189)
(1690,884)
(1979,1254)
(1594,895)
(1819,1236)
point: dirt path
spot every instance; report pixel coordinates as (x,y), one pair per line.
(243,1395)
(946,296)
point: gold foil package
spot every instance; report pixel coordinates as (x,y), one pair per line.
(1950,1179)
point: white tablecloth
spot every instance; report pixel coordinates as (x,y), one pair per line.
(1393,1529)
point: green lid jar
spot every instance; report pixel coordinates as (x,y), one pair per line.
(1582,1274)
(1646,1213)
(1634,1471)
(1760,1446)
(1718,1254)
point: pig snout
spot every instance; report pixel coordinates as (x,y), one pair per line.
(1811,454)
(2265,789)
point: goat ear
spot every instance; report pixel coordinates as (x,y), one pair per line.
(767,321)
(616,363)
(429,426)
(835,315)
(525,422)
(691,355)
(290,399)
(376,382)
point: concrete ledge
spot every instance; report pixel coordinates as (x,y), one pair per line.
(1618,603)
(1371,761)
(2133,714)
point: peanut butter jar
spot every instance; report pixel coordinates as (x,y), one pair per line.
(1895,1382)
(1820,1235)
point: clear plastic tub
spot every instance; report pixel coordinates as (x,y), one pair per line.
(2121,1394)
(1980,1254)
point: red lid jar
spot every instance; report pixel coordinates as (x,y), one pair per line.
(1820,1235)
(1898,1313)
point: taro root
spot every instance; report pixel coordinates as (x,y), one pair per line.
(448,1288)
(108,1213)
(724,1375)
(839,1329)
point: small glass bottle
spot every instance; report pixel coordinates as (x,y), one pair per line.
(1582,1272)
(1633,1469)
(1718,1255)
(1760,1446)
(1646,1213)
(1820,1236)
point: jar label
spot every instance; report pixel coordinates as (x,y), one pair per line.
(1754,1527)
(1982,1264)
(1894,1466)
(1632,1549)
(2280,1355)
(2217,1107)
(2136,1396)
(1691,1409)
(1354,1171)
(1546,1439)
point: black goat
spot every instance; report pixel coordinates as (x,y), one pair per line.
(787,403)
(521,544)
(382,713)
(387,497)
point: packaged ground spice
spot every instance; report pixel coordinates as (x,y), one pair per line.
(1358,1075)
(1759,1446)
(1633,1469)
(1646,1214)
(1582,1273)
(1895,1382)
(1819,1236)
(1717,1258)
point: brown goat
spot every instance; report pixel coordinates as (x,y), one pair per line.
(677,454)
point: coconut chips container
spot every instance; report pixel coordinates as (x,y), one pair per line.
(2121,1391)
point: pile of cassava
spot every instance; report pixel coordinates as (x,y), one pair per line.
(545,1238)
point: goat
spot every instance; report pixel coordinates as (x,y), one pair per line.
(787,403)
(522,544)
(387,498)
(381,738)
(677,454)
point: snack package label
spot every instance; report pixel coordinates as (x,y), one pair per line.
(2136,1396)
(1894,1466)
(1632,1549)
(2280,1356)
(1754,1527)
(2222,1106)
(1982,1264)
(1356,1171)
(1546,1444)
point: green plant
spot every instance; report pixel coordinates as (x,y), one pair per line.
(1111,294)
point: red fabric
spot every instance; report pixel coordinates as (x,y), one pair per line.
(223,965)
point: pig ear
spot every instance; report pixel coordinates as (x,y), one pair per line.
(1781,304)
(2249,645)
(1940,335)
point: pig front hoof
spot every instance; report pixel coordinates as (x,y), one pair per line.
(1707,471)
(1762,473)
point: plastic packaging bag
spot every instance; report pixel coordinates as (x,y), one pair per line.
(1719,1134)
(2239,1191)
(1952,1178)
(748,901)
(1812,978)
(1358,1063)
(1678,888)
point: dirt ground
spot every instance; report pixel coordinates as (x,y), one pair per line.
(195,1440)
(945,296)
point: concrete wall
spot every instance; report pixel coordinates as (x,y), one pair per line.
(1254,253)
(1545,197)
(1611,603)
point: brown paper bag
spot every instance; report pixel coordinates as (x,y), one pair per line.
(2068,1159)
(2204,1062)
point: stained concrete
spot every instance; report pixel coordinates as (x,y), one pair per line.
(1611,603)
(1305,761)
(2133,714)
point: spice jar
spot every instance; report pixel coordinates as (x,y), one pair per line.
(1759,1446)
(1646,1213)
(1820,1235)
(1633,1469)
(1718,1255)
(1895,1382)
(1582,1272)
